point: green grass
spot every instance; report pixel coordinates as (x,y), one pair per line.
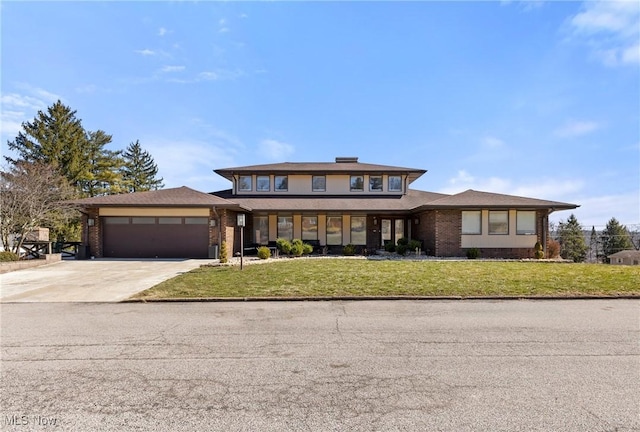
(340,277)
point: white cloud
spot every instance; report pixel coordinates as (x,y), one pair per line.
(573,129)
(597,210)
(208,76)
(492,142)
(162,31)
(222,26)
(145,52)
(16,108)
(169,69)
(275,150)
(611,28)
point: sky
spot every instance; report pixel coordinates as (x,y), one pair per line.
(533,98)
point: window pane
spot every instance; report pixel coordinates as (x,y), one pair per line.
(170,221)
(499,222)
(143,220)
(196,221)
(526,222)
(386,230)
(262,184)
(357,183)
(309,228)
(334,230)
(244,183)
(116,220)
(319,183)
(285,227)
(471,222)
(282,183)
(358,230)
(399,229)
(395,184)
(261,227)
(375,183)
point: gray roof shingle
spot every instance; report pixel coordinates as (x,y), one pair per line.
(173,197)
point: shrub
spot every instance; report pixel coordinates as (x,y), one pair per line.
(473,253)
(297,247)
(539,253)
(413,245)
(390,247)
(264,252)
(349,250)
(553,248)
(223,253)
(8,256)
(283,245)
(401,249)
(403,241)
(307,249)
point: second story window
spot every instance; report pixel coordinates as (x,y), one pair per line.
(375,183)
(262,184)
(319,183)
(281,183)
(395,184)
(244,183)
(357,183)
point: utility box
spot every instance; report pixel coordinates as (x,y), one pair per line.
(214,252)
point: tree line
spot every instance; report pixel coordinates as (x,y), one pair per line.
(614,238)
(56,159)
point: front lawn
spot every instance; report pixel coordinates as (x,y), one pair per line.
(359,277)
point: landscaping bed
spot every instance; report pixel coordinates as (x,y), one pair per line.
(335,277)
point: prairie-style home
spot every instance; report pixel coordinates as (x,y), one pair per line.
(327,204)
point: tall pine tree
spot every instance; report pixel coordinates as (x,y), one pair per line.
(104,167)
(615,238)
(140,171)
(571,240)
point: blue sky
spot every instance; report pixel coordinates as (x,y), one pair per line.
(540,99)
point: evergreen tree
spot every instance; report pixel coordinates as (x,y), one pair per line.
(615,238)
(139,171)
(593,245)
(571,240)
(104,167)
(56,138)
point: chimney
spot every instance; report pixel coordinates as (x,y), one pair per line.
(346,160)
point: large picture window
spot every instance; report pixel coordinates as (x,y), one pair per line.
(334,230)
(499,222)
(244,183)
(375,183)
(261,229)
(526,222)
(263,184)
(285,227)
(319,183)
(309,227)
(395,184)
(281,183)
(357,183)
(472,222)
(358,230)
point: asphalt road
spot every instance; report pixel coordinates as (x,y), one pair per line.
(322,366)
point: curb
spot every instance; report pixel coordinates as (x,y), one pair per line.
(369,298)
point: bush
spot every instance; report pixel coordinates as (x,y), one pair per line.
(413,245)
(223,253)
(403,241)
(264,252)
(349,250)
(307,249)
(8,256)
(390,247)
(553,248)
(539,252)
(297,248)
(283,245)
(473,253)
(402,249)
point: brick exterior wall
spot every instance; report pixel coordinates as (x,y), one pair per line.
(94,233)
(425,231)
(448,227)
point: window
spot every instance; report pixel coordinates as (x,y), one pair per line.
(112,220)
(244,183)
(309,227)
(285,227)
(261,229)
(196,221)
(281,183)
(357,183)
(334,230)
(526,222)
(499,222)
(318,183)
(262,184)
(395,184)
(358,230)
(143,220)
(375,183)
(399,229)
(170,221)
(472,222)
(386,231)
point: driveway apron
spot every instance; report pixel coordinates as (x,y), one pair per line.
(98,280)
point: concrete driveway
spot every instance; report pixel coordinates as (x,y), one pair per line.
(99,280)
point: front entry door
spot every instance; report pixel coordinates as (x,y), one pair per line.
(386,232)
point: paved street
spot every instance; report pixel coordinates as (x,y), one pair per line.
(99,280)
(320,366)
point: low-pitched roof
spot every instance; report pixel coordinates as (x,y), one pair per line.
(172,197)
(350,167)
(477,199)
(626,254)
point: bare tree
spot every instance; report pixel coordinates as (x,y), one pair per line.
(31,195)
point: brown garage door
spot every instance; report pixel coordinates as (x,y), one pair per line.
(155,237)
